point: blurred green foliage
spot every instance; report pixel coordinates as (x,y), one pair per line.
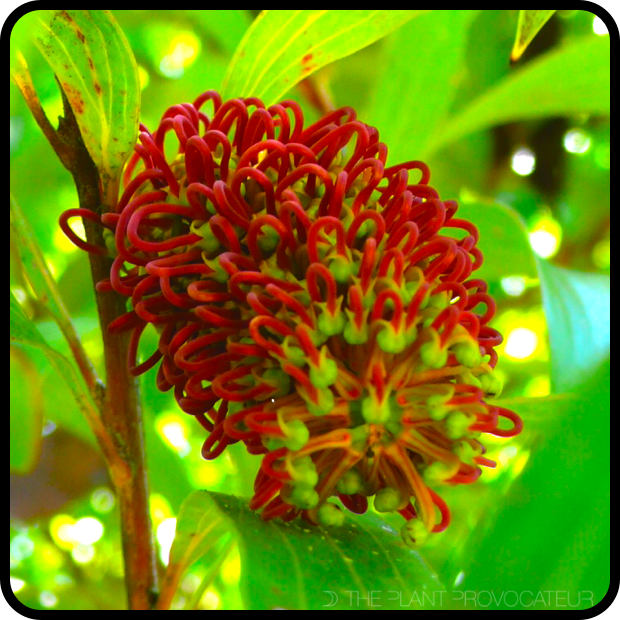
(437,88)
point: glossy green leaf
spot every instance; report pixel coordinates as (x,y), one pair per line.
(413,75)
(283,47)
(530,23)
(97,71)
(201,530)
(547,544)
(503,240)
(361,565)
(569,80)
(578,311)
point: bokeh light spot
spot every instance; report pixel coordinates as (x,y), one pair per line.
(521,343)
(523,161)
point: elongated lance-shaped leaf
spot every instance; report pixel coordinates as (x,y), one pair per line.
(98,73)
(530,23)
(283,47)
(25,336)
(47,293)
(574,79)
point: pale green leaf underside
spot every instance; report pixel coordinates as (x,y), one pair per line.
(283,47)
(578,311)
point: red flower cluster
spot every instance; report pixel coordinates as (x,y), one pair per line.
(308,306)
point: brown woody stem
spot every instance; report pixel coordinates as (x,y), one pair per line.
(118,404)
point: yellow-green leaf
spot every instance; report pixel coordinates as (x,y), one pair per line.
(97,71)
(530,23)
(569,80)
(283,47)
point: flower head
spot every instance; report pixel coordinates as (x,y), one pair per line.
(309,306)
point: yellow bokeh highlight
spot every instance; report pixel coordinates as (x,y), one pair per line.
(521,343)
(525,336)
(537,387)
(210,600)
(182,53)
(159,508)
(231,568)
(172,428)
(545,235)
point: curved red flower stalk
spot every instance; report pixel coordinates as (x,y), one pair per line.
(309,307)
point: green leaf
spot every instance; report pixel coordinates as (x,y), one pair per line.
(25,337)
(98,73)
(503,240)
(530,23)
(578,310)
(569,80)
(226,26)
(414,75)
(299,566)
(26,420)
(283,47)
(548,540)
(201,530)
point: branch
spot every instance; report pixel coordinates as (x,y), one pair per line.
(119,404)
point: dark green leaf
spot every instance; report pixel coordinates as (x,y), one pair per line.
(547,544)
(298,566)
(530,23)
(578,311)
(283,47)
(569,80)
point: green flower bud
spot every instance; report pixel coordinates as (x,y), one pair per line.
(351,482)
(414,533)
(279,379)
(466,452)
(438,472)
(330,515)
(325,405)
(432,353)
(490,384)
(436,405)
(331,325)
(388,500)
(457,424)
(293,353)
(304,471)
(391,341)
(375,413)
(301,495)
(326,373)
(351,333)
(342,268)
(467,353)
(297,435)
